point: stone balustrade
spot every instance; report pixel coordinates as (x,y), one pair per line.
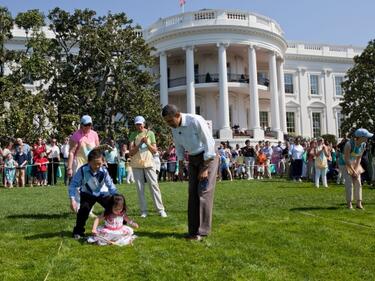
(211,18)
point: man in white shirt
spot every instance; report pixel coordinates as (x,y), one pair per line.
(191,134)
(65,155)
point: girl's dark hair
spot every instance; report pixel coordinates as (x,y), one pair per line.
(116,201)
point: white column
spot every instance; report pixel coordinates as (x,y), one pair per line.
(330,118)
(275,113)
(190,87)
(303,101)
(225,131)
(280,72)
(258,133)
(163,79)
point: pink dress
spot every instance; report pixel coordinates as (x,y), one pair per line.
(114,224)
(113,232)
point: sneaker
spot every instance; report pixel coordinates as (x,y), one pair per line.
(143,215)
(193,237)
(163,214)
(300,180)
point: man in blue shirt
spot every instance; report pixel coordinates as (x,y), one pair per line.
(191,133)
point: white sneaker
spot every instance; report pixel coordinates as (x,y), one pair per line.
(143,215)
(163,214)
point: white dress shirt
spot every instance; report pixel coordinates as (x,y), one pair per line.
(193,136)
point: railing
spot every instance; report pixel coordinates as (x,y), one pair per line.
(340,51)
(210,18)
(214,78)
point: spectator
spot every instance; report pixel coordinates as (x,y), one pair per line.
(321,162)
(249,155)
(353,151)
(53,154)
(142,148)
(21,159)
(111,156)
(64,152)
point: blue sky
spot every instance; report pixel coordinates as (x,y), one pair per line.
(344,22)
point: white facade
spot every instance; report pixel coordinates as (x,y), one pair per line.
(236,68)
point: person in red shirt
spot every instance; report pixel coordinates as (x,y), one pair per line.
(41,164)
(261,161)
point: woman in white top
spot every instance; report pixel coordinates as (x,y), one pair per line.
(321,163)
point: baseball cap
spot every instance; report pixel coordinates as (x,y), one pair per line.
(362,133)
(86,119)
(139,120)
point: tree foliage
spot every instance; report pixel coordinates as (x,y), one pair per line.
(94,65)
(359,92)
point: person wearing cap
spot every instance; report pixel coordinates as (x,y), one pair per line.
(353,151)
(192,134)
(80,144)
(142,148)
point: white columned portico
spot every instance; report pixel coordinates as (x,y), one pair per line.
(190,86)
(225,132)
(163,78)
(258,133)
(275,112)
(280,72)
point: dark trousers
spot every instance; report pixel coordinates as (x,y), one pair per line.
(297,169)
(53,165)
(87,201)
(112,170)
(201,201)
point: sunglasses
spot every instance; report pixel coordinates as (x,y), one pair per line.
(86,125)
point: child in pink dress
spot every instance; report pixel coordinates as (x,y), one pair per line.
(114,231)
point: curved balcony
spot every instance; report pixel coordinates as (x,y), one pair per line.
(212,18)
(214,78)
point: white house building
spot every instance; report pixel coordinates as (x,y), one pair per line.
(236,69)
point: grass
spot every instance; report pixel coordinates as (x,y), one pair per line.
(270,230)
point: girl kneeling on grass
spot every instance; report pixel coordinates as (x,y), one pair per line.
(114,231)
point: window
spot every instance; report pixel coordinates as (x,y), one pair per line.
(262,79)
(314,85)
(231,115)
(198,110)
(290,123)
(263,117)
(338,87)
(288,81)
(316,124)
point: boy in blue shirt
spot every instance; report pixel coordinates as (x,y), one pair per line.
(94,184)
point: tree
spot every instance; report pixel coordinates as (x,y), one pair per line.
(359,92)
(100,68)
(23,113)
(93,65)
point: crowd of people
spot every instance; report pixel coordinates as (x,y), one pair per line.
(315,160)
(91,170)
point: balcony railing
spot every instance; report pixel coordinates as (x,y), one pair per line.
(214,78)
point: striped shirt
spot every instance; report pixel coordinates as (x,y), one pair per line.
(97,184)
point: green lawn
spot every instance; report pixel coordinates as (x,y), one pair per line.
(270,230)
